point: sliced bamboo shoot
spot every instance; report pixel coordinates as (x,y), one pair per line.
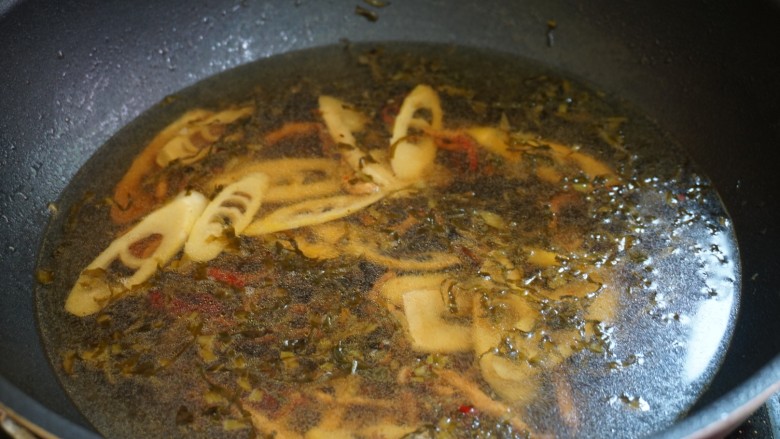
(311,212)
(482,402)
(316,249)
(291,179)
(518,315)
(171,223)
(394,289)
(411,160)
(342,121)
(430,261)
(130,200)
(191,142)
(514,381)
(412,157)
(235,206)
(429,331)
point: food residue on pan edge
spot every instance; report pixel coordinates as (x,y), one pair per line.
(404,252)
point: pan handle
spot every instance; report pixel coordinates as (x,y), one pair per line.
(12,426)
(729,422)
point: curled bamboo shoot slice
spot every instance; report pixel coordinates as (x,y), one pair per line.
(517,315)
(184,149)
(316,250)
(311,212)
(235,206)
(410,157)
(513,381)
(342,121)
(482,402)
(366,245)
(410,160)
(191,141)
(422,97)
(130,200)
(289,179)
(168,225)
(423,310)
(428,261)
(321,241)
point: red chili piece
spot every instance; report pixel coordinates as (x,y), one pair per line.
(389,112)
(156,300)
(466,409)
(460,142)
(229,277)
(203,303)
(472,257)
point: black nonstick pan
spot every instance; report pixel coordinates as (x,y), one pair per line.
(72,73)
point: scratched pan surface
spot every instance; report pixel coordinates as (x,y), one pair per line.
(74,73)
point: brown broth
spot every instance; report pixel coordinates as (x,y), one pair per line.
(623,330)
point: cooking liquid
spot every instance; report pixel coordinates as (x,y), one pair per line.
(662,232)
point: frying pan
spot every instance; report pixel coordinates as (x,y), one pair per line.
(708,73)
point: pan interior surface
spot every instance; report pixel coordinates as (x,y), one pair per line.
(675,279)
